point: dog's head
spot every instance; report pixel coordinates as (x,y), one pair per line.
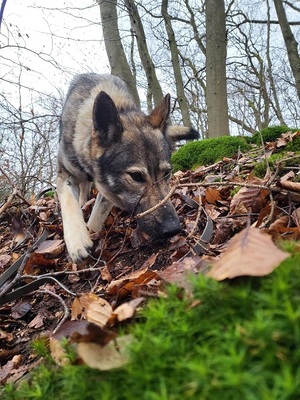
(133,168)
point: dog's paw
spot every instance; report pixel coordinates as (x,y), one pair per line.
(79,245)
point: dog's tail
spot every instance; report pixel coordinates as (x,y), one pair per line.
(177,132)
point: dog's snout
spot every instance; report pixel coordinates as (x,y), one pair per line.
(170,228)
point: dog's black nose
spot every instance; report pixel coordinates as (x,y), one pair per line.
(170,228)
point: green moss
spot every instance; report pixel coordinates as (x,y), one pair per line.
(231,340)
(293,145)
(207,151)
(270,134)
(260,168)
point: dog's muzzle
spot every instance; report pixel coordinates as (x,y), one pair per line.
(161,223)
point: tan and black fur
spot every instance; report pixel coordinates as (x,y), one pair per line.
(106,139)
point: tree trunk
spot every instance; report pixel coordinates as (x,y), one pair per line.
(115,51)
(154,88)
(216,92)
(183,104)
(290,42)
(277,108)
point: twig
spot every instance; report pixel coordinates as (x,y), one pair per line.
(197,217)
(140,215)
(18,275)
(51,274)
(9,200)
(65,307)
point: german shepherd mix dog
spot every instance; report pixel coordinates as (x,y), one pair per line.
(106,139)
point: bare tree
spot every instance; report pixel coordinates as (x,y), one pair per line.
(114,48)
(154,90)
(290,42)
(28,142)
(216,88)
(183,104)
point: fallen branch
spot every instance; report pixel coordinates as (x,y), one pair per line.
(9,201)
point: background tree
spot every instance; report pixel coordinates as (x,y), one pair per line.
(216,87)
(154,90)
(162,52)
(290,42)
(117,59)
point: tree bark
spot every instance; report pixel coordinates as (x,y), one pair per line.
(290,42)
(216,88)
(183,104)
(154,88)
(115,51)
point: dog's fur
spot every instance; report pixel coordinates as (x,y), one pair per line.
(106,139)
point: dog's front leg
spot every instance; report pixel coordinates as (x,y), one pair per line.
(76,235)
(99,213)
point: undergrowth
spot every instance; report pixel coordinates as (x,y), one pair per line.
(207,151)
(270,134)
(232,340)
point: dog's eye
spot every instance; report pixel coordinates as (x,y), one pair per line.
(167,173)
(137,176)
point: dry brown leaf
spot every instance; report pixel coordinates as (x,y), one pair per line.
(177,273)
(296,217)
(8,368)
(38,260)
(212,195)
(53,247)
(289,175)
(58,352)
(38,321)
(20,309)
(294,186)
(252,198)
(250,252)
(4,259)
(93,308)
(105,274)
(281,222)
(132,276)
(104,358)
(127,310)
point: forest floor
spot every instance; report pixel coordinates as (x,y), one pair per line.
(215,203)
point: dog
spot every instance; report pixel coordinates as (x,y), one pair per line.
(106,139)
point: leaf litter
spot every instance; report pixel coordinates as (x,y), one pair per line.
(231,223)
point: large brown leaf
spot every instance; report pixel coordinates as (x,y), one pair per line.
(250,252)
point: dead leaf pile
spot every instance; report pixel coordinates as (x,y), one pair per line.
(231,222)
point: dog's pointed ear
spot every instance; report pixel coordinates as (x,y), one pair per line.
(159,116)
(106,120)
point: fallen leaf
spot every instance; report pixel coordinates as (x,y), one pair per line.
(53,247)
(127,310)
(20,309)
(105,274)
(38,260)
(17,229)
(177,273)
(251,198)
(93,308)
(7,369)
(294,186)
(113,355)
(38,321)
(4,259)
(212,195)
(250,252)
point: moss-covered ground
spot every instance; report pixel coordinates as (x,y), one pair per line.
(233,340)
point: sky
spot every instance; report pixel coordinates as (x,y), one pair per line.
(60,41)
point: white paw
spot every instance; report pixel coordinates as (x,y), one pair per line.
(79,244)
